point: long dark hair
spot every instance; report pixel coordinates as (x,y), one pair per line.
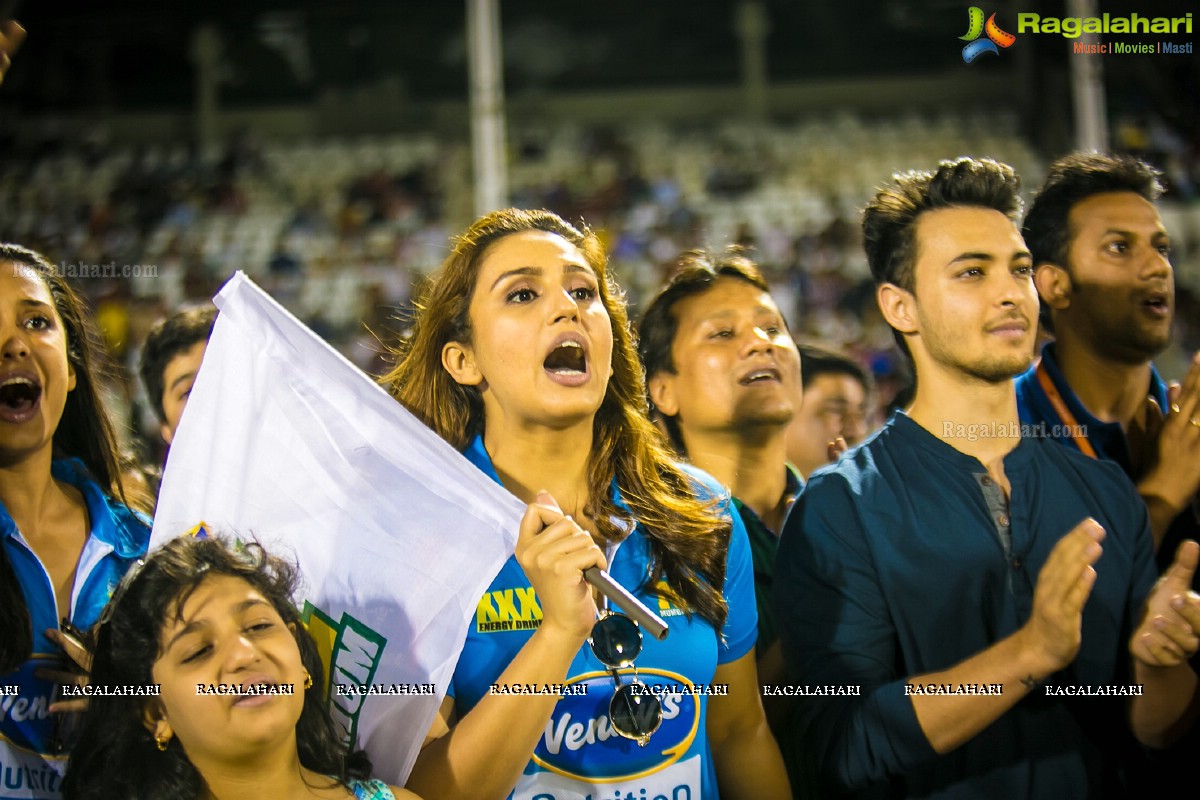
(116,755)
(688,537)
(83,432)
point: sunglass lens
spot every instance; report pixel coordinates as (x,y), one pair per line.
(635,712)
(616,640)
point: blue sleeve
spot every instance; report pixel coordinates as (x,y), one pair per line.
(741,625)
(836,631)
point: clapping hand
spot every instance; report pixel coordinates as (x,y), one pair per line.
(1170,629)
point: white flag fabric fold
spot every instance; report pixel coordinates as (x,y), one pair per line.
(396,534)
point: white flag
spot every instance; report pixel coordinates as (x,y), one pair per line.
(397,535)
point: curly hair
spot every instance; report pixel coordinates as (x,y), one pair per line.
(116,755)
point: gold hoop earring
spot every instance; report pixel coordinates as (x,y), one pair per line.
(161,742)
(308,681)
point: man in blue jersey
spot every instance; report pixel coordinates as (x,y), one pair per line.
(1106,284)
(983,589)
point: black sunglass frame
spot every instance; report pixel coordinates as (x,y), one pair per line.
(625,714)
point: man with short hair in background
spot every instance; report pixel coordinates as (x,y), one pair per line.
(1103,271)
(835,412)
(170,361)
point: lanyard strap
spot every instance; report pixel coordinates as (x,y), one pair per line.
(1070,425)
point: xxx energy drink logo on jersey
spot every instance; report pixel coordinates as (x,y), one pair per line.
(514,609)
(976,28)
(350,653)
(579,741)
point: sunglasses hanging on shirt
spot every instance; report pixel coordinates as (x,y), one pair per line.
(634,712)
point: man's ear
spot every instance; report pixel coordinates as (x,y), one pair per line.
(1053,285)
(898,306)
(662,393)
(459,361)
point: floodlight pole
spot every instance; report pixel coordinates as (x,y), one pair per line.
(485,61)
(206,54)
(1087,86)
(752,26)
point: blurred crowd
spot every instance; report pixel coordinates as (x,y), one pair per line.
(341,232)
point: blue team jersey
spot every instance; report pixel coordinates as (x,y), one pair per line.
(579,755)
(31,765)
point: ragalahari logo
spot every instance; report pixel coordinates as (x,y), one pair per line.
(996,37)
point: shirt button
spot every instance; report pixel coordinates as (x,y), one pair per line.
(1016,563)
(1003,520)
(986,481)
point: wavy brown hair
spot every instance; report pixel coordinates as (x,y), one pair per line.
(688,535)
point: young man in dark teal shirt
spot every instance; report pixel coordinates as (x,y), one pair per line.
(971,582)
